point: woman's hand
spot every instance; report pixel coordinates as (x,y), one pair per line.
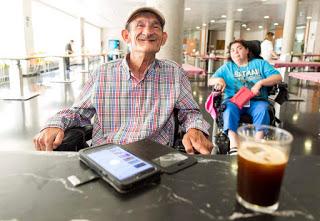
(218,84)
(256,88)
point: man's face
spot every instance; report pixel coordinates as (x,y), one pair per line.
(238,53)
(145,34)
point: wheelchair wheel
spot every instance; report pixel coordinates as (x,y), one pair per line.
(222,143)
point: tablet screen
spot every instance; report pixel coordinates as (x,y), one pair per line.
(119,162)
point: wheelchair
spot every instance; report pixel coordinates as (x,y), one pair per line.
(279,91)
(221,140)
(77,138)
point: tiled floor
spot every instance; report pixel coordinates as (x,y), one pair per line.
(21,120)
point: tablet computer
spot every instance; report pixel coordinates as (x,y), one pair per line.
(122,169)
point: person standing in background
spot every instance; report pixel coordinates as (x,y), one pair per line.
(68,51)
(267,51)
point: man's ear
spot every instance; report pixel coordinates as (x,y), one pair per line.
(164,38)
(125,35)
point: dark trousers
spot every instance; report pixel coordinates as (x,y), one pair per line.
(67,62)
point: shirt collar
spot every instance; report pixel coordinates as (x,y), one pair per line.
(152,68)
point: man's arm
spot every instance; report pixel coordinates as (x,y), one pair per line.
(192,120)
(78,115)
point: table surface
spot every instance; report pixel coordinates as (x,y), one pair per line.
(311,55)
(34,187)
(292,64)
(51,55)
(310,76)
(192,70)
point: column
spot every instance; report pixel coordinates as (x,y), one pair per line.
(173,12)
(306,37)
(103,39)
(203,40)
(237,31)
(28,33)
(229,34)
(81,33)
(289,29)
(104,44)
(312,42)
(84,59)
(266,26)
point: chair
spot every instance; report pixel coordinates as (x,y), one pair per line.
(76,138)
(255,48)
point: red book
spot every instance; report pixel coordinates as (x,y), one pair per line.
(242,97)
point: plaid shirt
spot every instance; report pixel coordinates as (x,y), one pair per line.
(126,110)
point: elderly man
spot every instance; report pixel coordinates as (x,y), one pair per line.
(134,98)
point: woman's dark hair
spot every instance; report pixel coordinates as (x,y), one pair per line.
(244,44)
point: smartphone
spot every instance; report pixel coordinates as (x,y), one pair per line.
(174,162)
(166,158)
(123,170)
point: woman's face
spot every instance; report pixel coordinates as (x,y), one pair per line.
(238,53)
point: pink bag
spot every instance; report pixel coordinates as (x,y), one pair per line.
(242,97)
(209,105)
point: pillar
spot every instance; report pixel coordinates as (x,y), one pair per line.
(203,40)
(312,43)
(289,29)
(28,31)
(173,11)
(229,34)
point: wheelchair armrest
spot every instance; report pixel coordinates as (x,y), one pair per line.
(75,138)
(283,94)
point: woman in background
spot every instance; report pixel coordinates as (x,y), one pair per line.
(267,51)
(241,70)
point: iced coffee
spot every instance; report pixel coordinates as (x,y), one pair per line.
(261,164)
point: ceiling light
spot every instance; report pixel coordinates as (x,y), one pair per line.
(204,24)
(223,16)
(197,27)
(309,17)
(187,9)
(275,24)
(244,25)
(213,21)
(266,17)
(263,0)
(248,29)
(240,9)
(260,26)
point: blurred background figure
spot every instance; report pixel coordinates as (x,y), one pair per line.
(267,51)
(68,51)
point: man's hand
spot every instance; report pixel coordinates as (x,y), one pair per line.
(194,139)
(48,139)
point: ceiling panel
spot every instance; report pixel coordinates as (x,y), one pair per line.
(111,13)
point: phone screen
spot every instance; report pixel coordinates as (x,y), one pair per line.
(119,162)
(169,159)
